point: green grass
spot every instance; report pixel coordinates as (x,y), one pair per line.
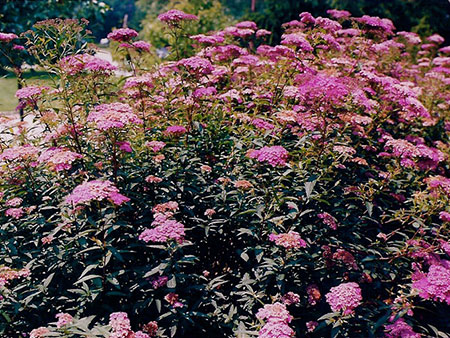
(8,87)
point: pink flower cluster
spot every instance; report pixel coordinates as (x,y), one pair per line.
(165,229)
(400,329)
(14,212)
(197,65)
(155,145)
(437,184)
(261,124)
(175,130)
(58,158)
(30,95)
(75,64)
(298,40)
(122,34)
(7,274)
(346,297)
(174,16)
(276,318)
(113,115)
(26,152)
(435,284)
(95,191)
(138,45)
(290,240)
(329,220)
(7,37)
(275,155)
(63,319)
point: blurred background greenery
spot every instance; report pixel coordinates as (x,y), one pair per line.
(422,16)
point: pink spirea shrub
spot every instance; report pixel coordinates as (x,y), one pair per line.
(233,188)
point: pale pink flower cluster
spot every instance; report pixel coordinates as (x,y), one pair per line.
(400,329)
(63,319)
(7,274)
(74,64)
(40,332)
(344,150)
(14,212)
(174,16)
(58,158)
(290,240)
(30,92)
(120,324)
(122,34)
(275,155)
(14,202)
(435,284)
(7,37)
(155,145)
(276,318)
(346,297)
(96,191)
(113,115)
(26,152)
(153,179)
(163,231)
(329,220)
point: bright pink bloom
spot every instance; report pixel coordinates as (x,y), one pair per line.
(122,34)
(329,220)
(175,130)
(15,212)
(275,155)
(7,37)
(346,297)
(174,16)
(433,285)
(400,329)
